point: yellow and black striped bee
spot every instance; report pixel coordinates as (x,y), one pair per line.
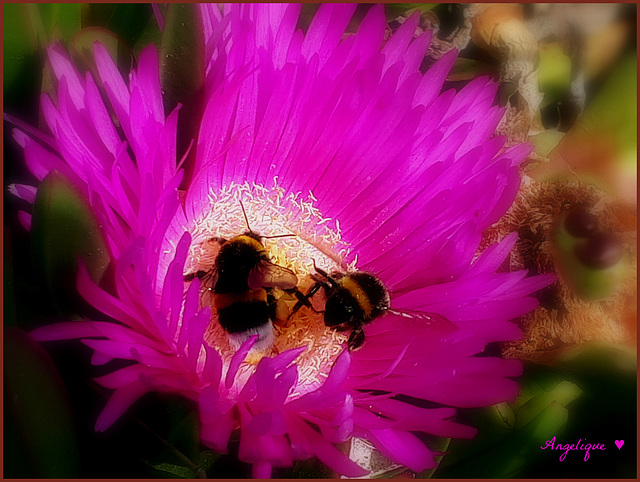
(239,282)
(354,300)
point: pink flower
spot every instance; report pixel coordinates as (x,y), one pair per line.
(341,141)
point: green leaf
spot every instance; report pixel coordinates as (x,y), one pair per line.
(512,455)
(510,434)
(394,10)
(309,469)
(506,414)
(8,293)
(36,404)
(129,21)
(207,459)
(546,142)
(182,55)
(30,27)
(60,20)
(438,444)
(81,50)
(468,69)
(185,434)
(174,470)
(181,455)
(602,360)
(612,115)
(63,229)
(554,72)
(19,46)
(563,393)
(182,71)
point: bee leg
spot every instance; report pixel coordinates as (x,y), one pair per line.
(303,300)
(356,339)
(278,310)
(281,313)
(217,240)
(325,275)
(198,274)
(321,272)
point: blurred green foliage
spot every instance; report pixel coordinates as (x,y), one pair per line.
(613,113)
(589,395)
(63,229)
(27,29)
(182,54)
(37,414)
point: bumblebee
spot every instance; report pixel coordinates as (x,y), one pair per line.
(239,281)
(354,300)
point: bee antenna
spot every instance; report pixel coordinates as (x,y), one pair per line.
(324,274)
(245,214)
(280,236)
(265,237)
(318,270)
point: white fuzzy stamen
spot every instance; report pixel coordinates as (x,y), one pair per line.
(271,212)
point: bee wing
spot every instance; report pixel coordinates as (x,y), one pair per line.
(208,251)
(269,275)
(438,321)
(210,278)
(207,278)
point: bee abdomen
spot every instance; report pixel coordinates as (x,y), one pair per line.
(242,311)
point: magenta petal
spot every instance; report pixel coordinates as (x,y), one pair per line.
(395,47)
(114,84)
(213,367)
(261,423)
(238,358)
(63,69)
(285,34)
(326,29)
(284,359)
(66,331)
(411,417)
(98,358)
(261,470)
(31,131)
(415,54)
(25,220)
(139,353)
(403,447)
(313,442)
(118,403)
(40,161)
(432,81)
(339,370)
(217,435)
(102,300)
(149,78)
(123,377)
(196,328)
(23,191)
(172,294)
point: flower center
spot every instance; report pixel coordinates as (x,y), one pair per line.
(272,212)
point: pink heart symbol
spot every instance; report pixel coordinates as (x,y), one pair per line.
(619,444)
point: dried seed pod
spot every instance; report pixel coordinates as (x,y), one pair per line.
(581,223)
(600,251)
